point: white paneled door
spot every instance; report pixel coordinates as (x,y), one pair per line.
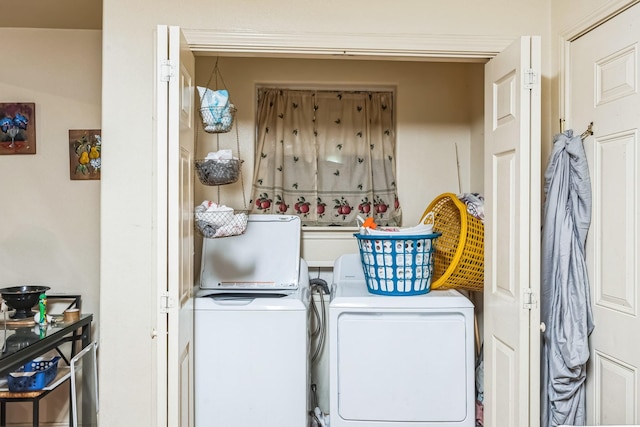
(175,100)
(603,83)
(512,236)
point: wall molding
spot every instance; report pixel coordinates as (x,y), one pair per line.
(596,18)
(466,48)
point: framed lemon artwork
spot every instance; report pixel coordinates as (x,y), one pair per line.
(85,161)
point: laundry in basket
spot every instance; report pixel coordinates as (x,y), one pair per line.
(369,227)
(394,262)
(218,168)
(216,110)
(217,220)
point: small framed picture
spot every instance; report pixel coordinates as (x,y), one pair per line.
(85,160)
(17,128)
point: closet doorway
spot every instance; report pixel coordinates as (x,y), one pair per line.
(512,165)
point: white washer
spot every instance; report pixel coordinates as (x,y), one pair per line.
(398,360)
(251,339)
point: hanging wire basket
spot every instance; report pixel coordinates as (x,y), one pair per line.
(221,224)
(214,220)
(218,119)
(218,171)
(216,109)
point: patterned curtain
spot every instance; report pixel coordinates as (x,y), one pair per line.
(326,156)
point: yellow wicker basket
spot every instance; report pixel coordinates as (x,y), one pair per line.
(459,257)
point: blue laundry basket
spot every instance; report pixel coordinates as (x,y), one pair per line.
(397,265)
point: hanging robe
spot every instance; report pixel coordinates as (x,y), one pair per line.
(565,301)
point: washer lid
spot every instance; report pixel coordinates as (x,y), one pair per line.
(276,300)
(265,257)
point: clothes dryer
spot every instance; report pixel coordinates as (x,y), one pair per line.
(251,336)
(398,360)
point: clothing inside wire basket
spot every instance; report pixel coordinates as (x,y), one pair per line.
(215,220)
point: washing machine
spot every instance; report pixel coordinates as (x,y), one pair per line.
(251,337)
(398,360)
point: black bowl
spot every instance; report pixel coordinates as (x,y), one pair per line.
(22,299)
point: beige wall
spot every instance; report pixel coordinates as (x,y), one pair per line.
(61,14)
(363,16)
(50,227)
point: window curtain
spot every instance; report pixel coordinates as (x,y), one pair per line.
(326,156)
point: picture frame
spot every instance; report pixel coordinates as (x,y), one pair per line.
(17,128)
(85,159)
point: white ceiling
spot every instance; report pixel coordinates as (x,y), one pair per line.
(66,14)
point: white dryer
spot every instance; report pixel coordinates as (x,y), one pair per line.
(251,339)
(398,360)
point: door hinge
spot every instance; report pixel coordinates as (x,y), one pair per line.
(166,302)
(530,78)
(166,70)
(530,299)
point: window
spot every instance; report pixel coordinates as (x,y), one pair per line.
(327,156)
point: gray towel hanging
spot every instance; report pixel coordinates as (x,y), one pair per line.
(565,301)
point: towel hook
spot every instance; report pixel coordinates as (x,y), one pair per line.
(587,132)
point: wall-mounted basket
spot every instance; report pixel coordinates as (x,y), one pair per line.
(218,171)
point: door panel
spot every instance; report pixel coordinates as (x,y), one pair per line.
(504,165)
(180,241)
(175,98)
(184,257)
(603,83)
(512,233)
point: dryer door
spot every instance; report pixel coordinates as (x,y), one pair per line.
(399,366)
